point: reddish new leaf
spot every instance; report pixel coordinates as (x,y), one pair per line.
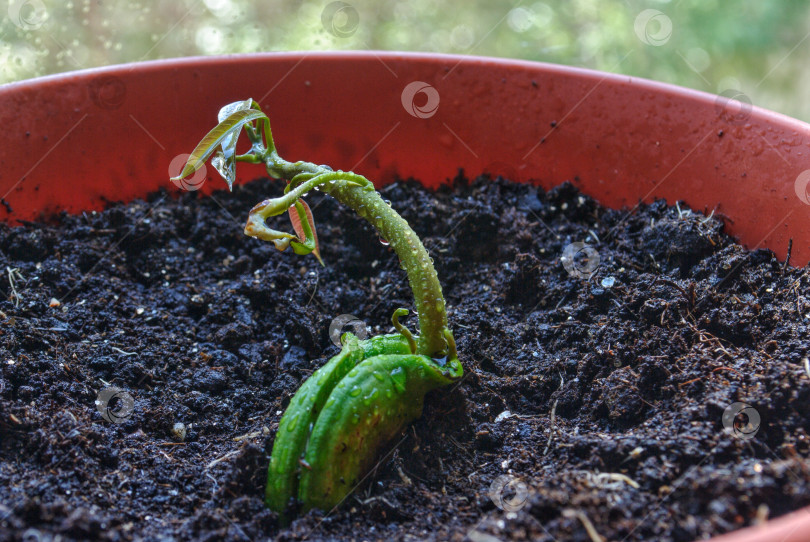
(299,228)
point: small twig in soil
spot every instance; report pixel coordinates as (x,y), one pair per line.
(377,498)
(553,418)
(589,528)
(689,297)
(314,290)
(14,273)
(404,477)
(724,368)
(123,353)
(796,282)
(706,337)
(223,458)
(604,479)
(806,366)
(762,514)
(787,258)
(254,434)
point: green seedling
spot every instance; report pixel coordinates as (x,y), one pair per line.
(342,415)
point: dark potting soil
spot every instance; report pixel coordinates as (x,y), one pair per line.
(591,402)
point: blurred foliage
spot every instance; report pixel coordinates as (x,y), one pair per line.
(759,48)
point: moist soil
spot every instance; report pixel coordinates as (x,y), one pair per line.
(599,396)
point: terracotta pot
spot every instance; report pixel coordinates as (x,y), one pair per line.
(77,140)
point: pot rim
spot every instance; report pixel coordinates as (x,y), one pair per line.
(548,67)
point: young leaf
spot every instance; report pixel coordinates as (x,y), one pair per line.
(301,229)
(221,133)
(228,110)
(224,162)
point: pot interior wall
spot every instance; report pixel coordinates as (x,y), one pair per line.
(73,141)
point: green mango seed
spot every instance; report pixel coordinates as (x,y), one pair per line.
(339,450)
(377,381)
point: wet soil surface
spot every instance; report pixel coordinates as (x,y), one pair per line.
(593,402)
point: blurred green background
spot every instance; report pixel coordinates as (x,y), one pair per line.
(756,49)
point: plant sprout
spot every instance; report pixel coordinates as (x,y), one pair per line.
(341,416)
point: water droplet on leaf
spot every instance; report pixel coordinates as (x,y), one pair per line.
(368,399)
(398,377)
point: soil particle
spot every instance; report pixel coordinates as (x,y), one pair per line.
(602,396)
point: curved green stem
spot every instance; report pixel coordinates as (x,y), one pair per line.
(357,192)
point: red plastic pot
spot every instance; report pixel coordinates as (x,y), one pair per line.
(78,140)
